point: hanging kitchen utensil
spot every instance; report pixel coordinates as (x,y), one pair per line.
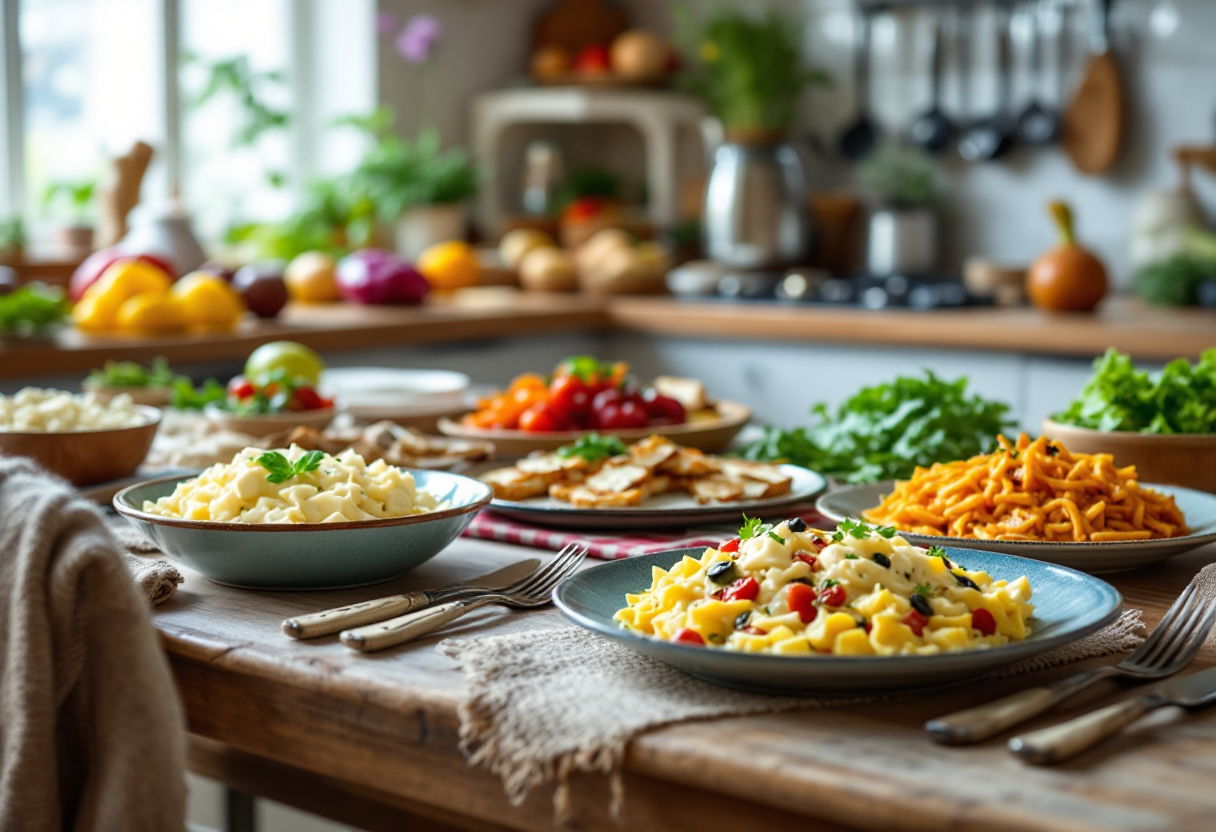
(932,130)
(1037,125)
(859,138)
(993,137)
(1093,121)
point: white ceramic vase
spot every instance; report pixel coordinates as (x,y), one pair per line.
(421,227)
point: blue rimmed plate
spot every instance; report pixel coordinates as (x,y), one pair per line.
(1198,507)
(1069,605)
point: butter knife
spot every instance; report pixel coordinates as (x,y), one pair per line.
(327,622)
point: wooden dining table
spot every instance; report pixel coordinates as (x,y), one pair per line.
(372,740)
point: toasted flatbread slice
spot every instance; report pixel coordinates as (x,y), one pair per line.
(716,488)
(660,484)
(652,451)
(754,489)
(687,391)
(616,479)
(550,464)
(689,462)
(777,482)
(513,484)
(583,497)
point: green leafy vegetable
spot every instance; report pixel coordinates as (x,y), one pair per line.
(936,552)
(886,431)
(185,397)
(1173,282)
(860,530)
(282,469)
(130,374)
(593,447)
(1118,397)
(755,527)
(32,307)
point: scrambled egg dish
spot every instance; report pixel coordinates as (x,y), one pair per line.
(337,489)
(861,591)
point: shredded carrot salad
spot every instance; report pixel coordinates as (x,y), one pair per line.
(1031,490)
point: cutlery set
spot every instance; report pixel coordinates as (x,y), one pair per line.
(1171,646)
(385,622)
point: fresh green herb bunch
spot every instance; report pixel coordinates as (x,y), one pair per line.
(885,431)
(1118,397)
(79,196)
(901,177)
(32,307)
(185,397)
(860,530)
(593,447)
(748,68)
(282,469)
(398,174)
(1174,282)
(130,374)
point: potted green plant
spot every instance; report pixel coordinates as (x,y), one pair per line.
(75,237)
(750,71)
(903,225)
(12,239)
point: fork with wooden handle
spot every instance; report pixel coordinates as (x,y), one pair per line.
(327,622)
(1178,637)
(536,591)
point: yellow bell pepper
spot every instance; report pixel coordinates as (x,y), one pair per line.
(98,308)
(152,312)
(208,302)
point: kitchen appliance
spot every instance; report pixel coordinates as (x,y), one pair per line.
(922,290)
(902,240)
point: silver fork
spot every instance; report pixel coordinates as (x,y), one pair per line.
(534,591)
(1172,645)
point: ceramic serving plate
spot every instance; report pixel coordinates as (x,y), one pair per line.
(1198,507)
(308,556)
(663,511)
(375,393)
(707,434)
(1069,605)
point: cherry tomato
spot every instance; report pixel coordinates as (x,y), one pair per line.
(663,410)
(632,415)
(809,560)
(569,396)
(308,398)
(687,636)
(917,621)
(529,381)
(801,599)
(240,387)
(833,596)
(539,418)
(730,546)
(605,397)
(744,589)
(983,621)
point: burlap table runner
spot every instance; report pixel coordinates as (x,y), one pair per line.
(526,715)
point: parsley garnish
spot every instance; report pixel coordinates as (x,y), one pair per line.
(936,552)
(829,583)
(593,447)
(923,589)
(850,556)
(282,469)
(859,530)
(776,537)
(755,527)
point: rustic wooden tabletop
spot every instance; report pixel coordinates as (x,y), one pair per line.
(372,739)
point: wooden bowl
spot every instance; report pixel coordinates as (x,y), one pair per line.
(1172,459)
(87,457)
(271,422)
(709,435)
(153,396)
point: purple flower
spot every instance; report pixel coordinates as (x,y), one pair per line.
(386,22)
(418,37)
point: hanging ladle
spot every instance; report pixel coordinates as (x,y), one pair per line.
(932,130)
(859,138)
(992,138)
(1037,125)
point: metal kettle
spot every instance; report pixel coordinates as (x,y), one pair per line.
(756,205)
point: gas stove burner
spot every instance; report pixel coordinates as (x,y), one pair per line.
(896,291)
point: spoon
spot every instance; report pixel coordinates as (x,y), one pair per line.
(1037,125)
(932,130)
(992,138)
(859,138)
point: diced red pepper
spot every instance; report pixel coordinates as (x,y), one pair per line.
(687,636)
(869,625)
(809,560)
(800,598)
(308,398)
(744,589)
(983,621)
(833,596)
(730,546)
(819,543)
(916,621)
(240,388)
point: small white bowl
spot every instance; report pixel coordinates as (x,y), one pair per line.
(260,426)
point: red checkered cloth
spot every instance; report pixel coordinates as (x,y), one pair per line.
(491,526)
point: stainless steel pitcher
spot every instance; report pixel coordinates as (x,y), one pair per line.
(756,210)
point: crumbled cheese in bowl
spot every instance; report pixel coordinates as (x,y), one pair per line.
(36,410)
(338,489)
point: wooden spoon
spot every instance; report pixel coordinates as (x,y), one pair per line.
(1093,122)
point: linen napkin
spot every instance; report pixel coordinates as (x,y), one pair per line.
(92,736)
(525,716)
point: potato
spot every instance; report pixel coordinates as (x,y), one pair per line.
(548,270)
(515,244)
(621,270)
(592,252)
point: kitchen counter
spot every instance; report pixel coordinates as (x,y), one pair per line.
(1144,332)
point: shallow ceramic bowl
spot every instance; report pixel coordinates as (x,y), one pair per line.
(308,556)
(271,422)
(710,434)
(1069,605)
(1174,459)
(151,396)
(87,457)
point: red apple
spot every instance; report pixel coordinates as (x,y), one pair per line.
(593,59)
(262,288)
(95,264)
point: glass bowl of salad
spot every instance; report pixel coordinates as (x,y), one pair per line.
(272,402)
